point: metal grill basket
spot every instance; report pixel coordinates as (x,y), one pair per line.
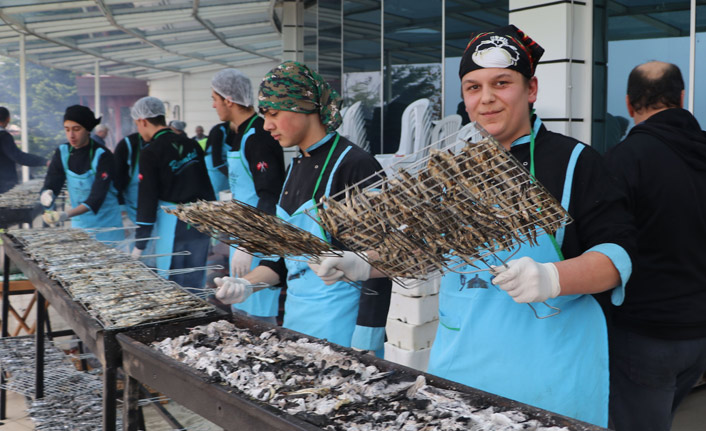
(453,203)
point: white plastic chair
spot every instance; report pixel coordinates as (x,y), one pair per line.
(353,127)
(445,128)
(415,133)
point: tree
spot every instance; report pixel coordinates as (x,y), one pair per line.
(49,92)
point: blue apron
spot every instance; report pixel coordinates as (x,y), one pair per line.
(265,302)
(130,193)
(312,307)
(79,186)
(488,341)
(164,228)
(218,180)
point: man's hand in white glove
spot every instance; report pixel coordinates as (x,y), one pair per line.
(53,217)
(241,262)
(528,281)
(46,198)
(232,290)
(334,268)
(136,253)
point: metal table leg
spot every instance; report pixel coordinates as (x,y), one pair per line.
(4,333)
(131,411)
(39,352)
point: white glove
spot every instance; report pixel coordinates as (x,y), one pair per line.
(241,262)
(334,268)
(528,281)
(232,290)
(136,253)
(46,198)
(53,217)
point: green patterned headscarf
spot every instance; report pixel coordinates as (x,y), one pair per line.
(293,86)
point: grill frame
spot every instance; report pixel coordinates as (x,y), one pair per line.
(99,340)
(231,410)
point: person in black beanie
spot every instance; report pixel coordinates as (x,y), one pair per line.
(86,168)
(488,337)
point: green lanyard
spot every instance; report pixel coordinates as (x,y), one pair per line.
(162,132)
(532,173)
(328,158)
(252,120)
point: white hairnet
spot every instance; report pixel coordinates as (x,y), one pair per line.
(176,124)
(147,107)
(232,85)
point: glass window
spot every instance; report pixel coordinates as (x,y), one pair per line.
(412,63)
(637,32)
(330,47)
(699,84)
(361,63)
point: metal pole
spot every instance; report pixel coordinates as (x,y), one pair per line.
(382,77)
(97,89)
(182,110)
(23,105)
(443,58)
(692,55)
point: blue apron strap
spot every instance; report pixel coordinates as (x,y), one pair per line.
(333,171)
(568,182)
(96,157)
(64,151)
(129,153)
(249,131)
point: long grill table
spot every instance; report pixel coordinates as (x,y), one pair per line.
(231,409)
(99,340)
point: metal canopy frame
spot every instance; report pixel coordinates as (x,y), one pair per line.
(143,39)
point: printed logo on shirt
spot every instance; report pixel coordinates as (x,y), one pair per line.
(262,166)
(177,165)
(104,176)
(139,177)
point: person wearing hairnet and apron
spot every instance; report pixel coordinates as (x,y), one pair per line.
(127,172)
(87,169)
(172,171)
(255,167)
(302,110)
(488,337)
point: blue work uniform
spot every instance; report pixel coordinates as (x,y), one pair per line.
(80,186)
(218,139)
(264,303)
(560,363)
(172,171)
(338,312)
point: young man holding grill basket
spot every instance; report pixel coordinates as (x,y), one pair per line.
(301,109)
(255,168)
(488,337)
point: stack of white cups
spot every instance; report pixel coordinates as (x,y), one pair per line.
(412,322)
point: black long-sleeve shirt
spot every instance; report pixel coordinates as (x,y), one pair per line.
(124,169)
(10,156)
(356,166)
(215,142)
(265,160)
(79,163)
(661,167)
(172,169)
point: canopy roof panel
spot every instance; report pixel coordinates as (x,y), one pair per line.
(141,39)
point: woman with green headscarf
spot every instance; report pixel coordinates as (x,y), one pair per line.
(302,110)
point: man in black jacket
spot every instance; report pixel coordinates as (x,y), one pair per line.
(10,155)
(658,346)
(172,171)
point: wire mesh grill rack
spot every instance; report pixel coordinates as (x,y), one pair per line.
(17,358)
(238,224)
(451,204)
(115,289)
